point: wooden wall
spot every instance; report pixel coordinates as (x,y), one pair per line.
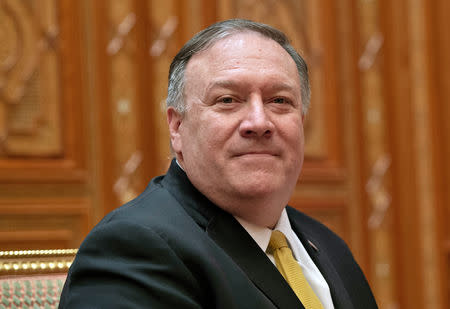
(82,124)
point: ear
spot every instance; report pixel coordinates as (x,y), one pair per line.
(174,119)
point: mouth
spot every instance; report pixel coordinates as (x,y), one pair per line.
(257,154)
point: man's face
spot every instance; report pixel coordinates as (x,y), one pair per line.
(241,137)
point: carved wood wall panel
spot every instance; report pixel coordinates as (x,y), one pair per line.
(41,121)
(28,70)
(440,59)
(413,99)
(166,39)
(27,223)
(44,199)
(376,155)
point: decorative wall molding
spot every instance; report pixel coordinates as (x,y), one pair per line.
(52,147)
(38,223)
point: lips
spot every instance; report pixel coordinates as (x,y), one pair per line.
(257,153)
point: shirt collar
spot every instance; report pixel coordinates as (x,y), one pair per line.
(261,234)
(179,165)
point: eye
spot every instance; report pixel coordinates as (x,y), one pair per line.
(226,100)
(280,101)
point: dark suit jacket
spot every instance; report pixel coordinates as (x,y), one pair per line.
(172,248)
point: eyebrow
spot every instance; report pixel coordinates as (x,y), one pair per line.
(231,84)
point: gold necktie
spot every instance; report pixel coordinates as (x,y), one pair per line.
(291,271)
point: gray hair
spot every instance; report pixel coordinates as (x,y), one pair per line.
(216,32)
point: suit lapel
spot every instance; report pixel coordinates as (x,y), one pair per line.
(232,237)
(226,231)
(340,296)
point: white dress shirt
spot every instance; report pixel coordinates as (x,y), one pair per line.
(261,235)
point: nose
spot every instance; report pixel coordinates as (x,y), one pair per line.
(256,122)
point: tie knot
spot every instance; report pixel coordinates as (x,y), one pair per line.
(277,241)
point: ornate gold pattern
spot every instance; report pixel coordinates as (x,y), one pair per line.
(159,45)
(378,194)
(123,29)
(123,53)
(36,261)
(380,220)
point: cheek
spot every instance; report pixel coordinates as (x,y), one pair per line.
(216,129)
(294,140)
(292,130)
(202,140)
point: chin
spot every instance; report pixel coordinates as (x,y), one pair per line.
(259,186)
(257,192)
(265,167)
(256,180)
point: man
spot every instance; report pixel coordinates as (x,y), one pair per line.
(201,235)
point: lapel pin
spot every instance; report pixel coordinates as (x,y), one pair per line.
(313,245)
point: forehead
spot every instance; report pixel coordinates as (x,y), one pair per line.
(241,51)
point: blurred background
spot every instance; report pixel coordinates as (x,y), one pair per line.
(83,128)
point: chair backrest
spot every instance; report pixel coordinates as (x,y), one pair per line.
(33,278)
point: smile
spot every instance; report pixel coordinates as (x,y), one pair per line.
(257,154)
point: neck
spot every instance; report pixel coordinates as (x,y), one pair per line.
(263,213)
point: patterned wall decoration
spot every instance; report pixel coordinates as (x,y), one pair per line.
(29,80)
(43,171)
(121,50)
(377,156)
(163,46)
(40,120)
